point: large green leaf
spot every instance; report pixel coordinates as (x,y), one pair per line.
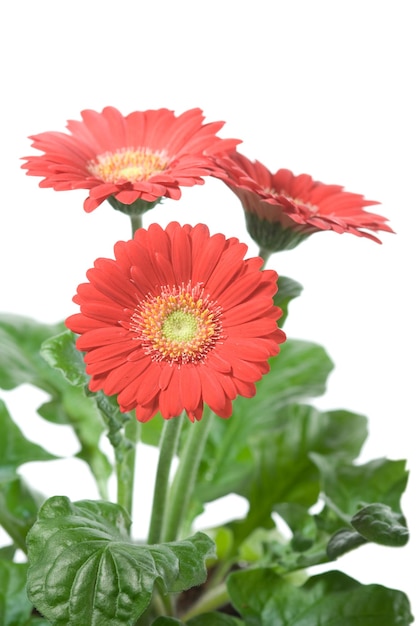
(282,455)
(61,353)
(20,359)
(263,598)
(15,449)
(84,569)
(24,341)
(280,466)
(362,503)
(348,487)
(19,506)
(7,553)
(299,372)
(15,608)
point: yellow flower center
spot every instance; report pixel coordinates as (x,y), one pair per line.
(128,165)
(179,326)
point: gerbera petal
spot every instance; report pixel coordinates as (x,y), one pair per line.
(181,256)
(122,377)
(190,387)
(247,311)
(101,337)
(196,414)
(170,401)
(212,391)
(245,388)
(144,413)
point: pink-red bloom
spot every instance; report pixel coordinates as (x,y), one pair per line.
(179,319)
(296,206)
(142,157)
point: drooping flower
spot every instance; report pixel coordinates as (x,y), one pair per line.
(177,320)
(282,209)
(131,161)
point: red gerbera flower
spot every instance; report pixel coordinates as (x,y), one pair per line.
(178,319)
(282,209)
(138,158)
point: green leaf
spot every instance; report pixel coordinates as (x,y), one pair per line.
(282,467)
(301,523)
(378,523)
(21,362)
(151,431)
(19,506)
(297,373)
(84,569)
(263,598)
(20,359)
(344,540)
(61,353)
(15,449)
(15,608)
(258,544)
(73,408)
(349,487)
(288,289)
(7,553)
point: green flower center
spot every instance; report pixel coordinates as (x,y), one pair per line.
(180,326)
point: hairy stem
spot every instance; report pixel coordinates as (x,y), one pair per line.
(168,446)
(184,482)
(210,601)
(125,466)
(136,223)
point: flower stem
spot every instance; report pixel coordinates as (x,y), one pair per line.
(213,599)
(125,466)
(168,446)
(184,482)
(264,254)
(136,223)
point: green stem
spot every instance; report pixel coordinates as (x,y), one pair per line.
(184,482)
(125,466)
(264,254)
(220,572)
(168,446)
(136,223)
(210,601)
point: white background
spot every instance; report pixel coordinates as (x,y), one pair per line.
(328,88)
